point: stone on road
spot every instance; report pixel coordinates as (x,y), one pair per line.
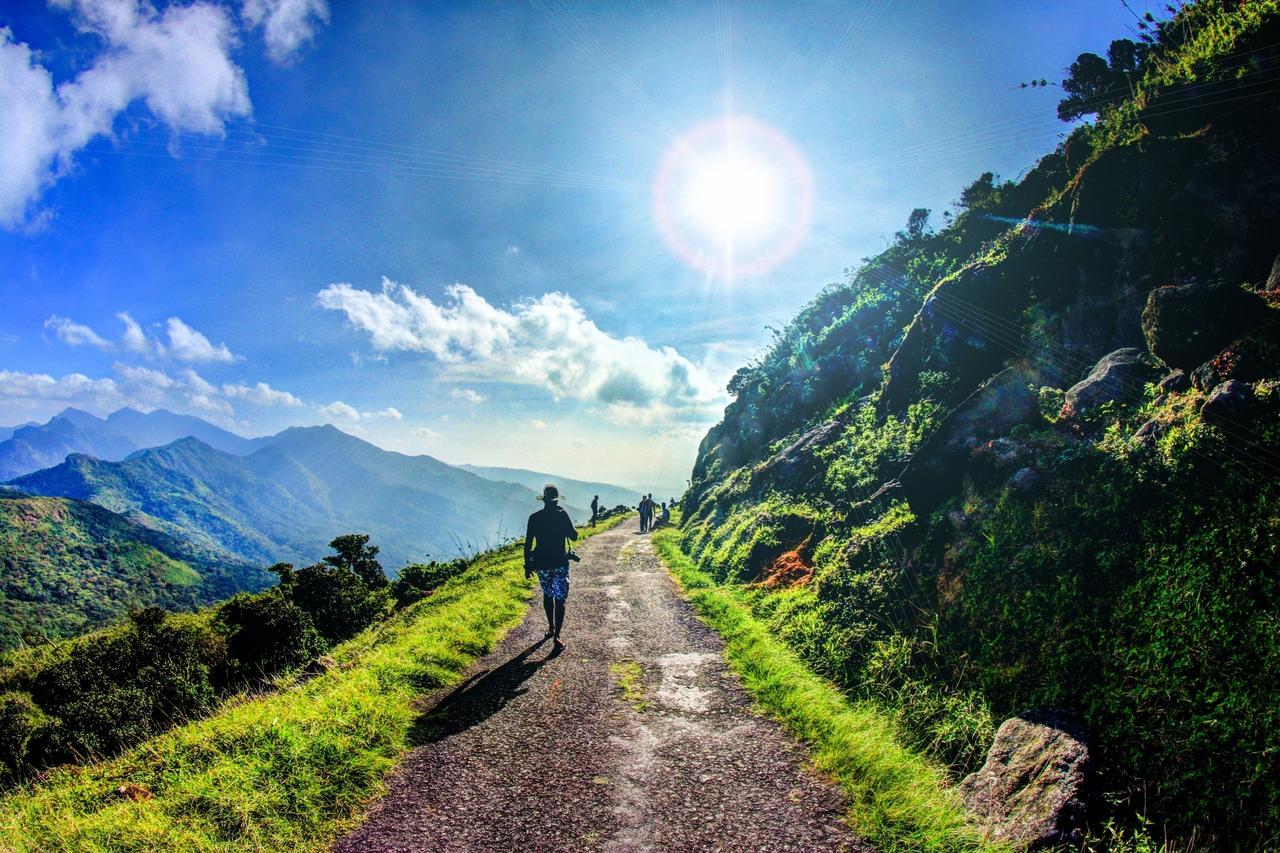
(635,737)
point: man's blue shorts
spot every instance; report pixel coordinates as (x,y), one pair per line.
(555,582)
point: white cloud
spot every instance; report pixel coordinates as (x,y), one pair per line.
(469,395)
(425,432)
(75,334)
(287,25)
(135,340)
(141,387)
(548,342)
(342,411)
(72,388)
(185,343)
(176,61)
(538,423)
(262,394)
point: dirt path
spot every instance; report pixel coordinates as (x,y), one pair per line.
(635,737)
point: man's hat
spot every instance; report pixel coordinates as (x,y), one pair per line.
(549,493)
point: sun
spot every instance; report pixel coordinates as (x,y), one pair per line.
(732,197)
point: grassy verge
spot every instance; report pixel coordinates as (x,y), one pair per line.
(289,770)
(898,800)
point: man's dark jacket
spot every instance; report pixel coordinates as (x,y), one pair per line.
(548,527)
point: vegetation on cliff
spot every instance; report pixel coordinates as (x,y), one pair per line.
(987,472)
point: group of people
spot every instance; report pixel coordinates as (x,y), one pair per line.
(653,514)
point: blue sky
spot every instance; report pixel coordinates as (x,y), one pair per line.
(239,180)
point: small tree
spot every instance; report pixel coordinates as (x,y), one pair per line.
(917,226)
(356,555)
(1095,85)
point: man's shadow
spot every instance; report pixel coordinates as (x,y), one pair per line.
(479,697)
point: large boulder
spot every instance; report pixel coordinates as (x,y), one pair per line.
(1030,792)
(1119,375)
(1185,325)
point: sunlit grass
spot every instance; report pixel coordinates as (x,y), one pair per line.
(290,770)
(897,799)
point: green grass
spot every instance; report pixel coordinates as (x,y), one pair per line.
(631,683)
(288,770)
(897,799)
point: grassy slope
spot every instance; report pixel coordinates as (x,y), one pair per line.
(288,770)
(897,799)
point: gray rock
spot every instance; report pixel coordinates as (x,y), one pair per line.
(1030,792)
(1230,403)
(1024,480)
(1188,324)
(1119,375)
(1177,380)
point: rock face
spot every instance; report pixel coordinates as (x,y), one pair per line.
(1187,324)
(1002,403)
(1030,792)
(1117,376)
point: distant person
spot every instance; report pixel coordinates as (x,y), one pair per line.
(646,513)
(665,518)
(546,554)
(595,508)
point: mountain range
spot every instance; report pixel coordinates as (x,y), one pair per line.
(577,493)
(286,499)
(30,447)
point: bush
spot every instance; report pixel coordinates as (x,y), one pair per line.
(20,721)
(117,689)
(266,634)
(416,581)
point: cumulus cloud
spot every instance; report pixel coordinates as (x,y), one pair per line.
(468,395)
(548,342)
(343,412)
(287,25)
(141,387)
(69,389)
(262,394)
(177,62)
(184,343)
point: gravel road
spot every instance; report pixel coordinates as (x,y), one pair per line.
(635,737)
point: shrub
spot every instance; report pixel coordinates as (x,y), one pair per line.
(20,721)
(266,634)
(417,581)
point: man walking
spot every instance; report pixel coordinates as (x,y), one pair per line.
(546,553)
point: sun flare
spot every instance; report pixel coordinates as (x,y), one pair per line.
(733,198)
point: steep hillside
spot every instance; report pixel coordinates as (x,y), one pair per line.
(67,566)
(578,493)
(285,501)
(33,447)
(1029,460)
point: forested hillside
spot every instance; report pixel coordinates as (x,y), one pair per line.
(67,566)
(1028,459)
